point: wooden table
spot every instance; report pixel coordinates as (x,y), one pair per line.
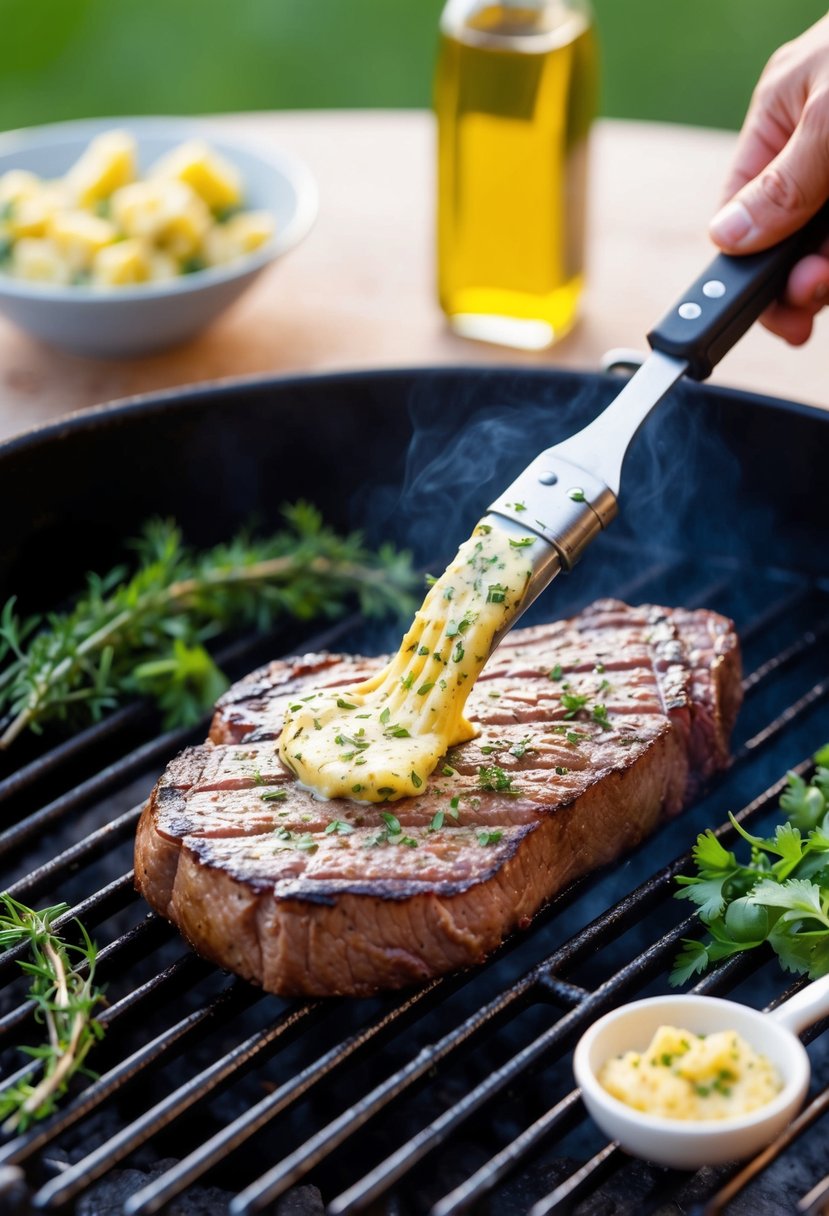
(359,292)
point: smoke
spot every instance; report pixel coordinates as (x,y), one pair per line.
(683,515)
(469,439)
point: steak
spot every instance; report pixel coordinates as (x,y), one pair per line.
(592,730)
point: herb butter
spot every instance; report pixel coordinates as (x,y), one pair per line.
(681,1075)
(379,740)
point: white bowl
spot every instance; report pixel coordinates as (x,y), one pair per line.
(679,1143)
(124,321)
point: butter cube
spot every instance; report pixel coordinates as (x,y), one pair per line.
(167,213)
(16,185)
(120,264)
(185,230)
(241,234)
(79,235)
(108,162)
(38,260)
(213,178)
(32,213)
(139,209)
(249,230)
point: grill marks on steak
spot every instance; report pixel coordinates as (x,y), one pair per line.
(250,867)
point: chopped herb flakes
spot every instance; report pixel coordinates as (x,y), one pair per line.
(339,827)
(492,777)
(391,822)
(390,833)
(487,836)
(572,702)
(295,840)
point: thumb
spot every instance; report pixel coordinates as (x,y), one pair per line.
(783,195)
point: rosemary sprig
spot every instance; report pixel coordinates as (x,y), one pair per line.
(144,632)
(65,998)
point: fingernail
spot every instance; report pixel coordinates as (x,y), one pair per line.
(731,224)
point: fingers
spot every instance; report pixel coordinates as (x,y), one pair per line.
(792,324)
(806,293)
(784,194)
(762,137)
(808,284)
(780,174)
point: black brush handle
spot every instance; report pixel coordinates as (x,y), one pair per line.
(728,297)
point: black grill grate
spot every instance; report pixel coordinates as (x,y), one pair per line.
(452,1098)
(458,1096)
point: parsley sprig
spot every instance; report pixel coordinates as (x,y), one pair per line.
(779,896)
(142,631)
(65,998)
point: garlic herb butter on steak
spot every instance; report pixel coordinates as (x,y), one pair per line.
(381,739)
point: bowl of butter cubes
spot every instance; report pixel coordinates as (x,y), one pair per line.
(123,237)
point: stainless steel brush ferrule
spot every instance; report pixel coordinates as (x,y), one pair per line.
(559,501)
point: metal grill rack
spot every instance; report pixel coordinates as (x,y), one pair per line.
(212,1096)
(455,1097)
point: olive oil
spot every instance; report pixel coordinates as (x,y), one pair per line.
(515,95)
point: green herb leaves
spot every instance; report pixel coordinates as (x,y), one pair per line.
(573,702)
(492,777)
(65,998)
(143,631)
(780,896)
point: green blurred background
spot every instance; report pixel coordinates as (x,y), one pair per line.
(676,60)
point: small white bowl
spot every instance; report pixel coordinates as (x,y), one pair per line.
(689,1144)
(125,321)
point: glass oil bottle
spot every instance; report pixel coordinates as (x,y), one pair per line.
(515,93)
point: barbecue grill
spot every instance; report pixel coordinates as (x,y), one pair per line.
(212,1096)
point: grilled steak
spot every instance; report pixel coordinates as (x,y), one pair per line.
(591,730)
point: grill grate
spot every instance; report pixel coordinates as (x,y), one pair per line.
(206,1083)
(452,1098)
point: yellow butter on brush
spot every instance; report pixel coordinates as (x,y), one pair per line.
(379,740)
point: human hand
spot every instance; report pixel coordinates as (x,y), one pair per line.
(780,175)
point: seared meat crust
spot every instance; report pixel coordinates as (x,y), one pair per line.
(311,897)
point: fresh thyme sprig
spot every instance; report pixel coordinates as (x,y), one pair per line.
(65,998)
(144,632)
